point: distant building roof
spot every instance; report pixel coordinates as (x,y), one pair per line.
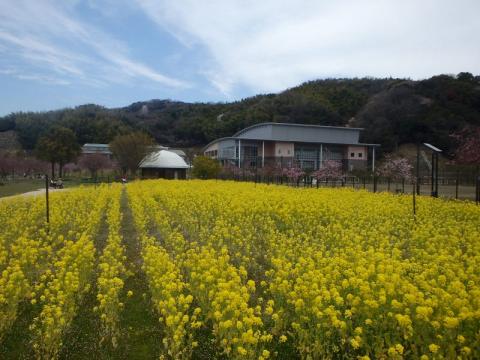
(164,159)
(96,145)
(308,127)
(96,149)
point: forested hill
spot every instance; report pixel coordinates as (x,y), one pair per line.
(392,111)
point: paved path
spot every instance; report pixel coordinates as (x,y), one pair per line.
(32,193)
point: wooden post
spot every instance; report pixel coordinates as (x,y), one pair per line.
(418,169)
(414,201)
(46,197)
(456,185)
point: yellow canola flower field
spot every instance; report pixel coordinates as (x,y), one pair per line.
(329,273)
(242,271)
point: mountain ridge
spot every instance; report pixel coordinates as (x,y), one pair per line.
(392,112)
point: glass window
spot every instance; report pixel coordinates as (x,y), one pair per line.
(352,154)
(360,154)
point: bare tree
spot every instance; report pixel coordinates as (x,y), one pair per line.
(131,149)
(94,163)
(7,164)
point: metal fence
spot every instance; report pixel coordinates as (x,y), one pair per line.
(458,187)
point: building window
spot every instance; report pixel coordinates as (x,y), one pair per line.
(360,155)
(279,151)
(288,151)
(352,154)
(306,157)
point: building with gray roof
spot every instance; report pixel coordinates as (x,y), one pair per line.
(307,146)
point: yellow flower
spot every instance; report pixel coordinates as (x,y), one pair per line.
(450,322)
(355,344)
(241,350)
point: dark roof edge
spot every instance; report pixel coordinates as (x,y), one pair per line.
(293,124)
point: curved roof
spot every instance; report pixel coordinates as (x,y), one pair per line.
(247,129)
(299,133)
(164,159)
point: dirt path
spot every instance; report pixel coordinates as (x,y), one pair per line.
(141,335)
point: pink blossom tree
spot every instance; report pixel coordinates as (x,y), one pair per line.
(293,173)
(396,168)
(468,150)
(330,170)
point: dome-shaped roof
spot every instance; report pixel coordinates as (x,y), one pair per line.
(164,159)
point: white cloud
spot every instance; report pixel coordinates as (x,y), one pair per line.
(49,36)
(269,45)
(11,71)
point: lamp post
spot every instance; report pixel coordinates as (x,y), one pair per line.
(434,175)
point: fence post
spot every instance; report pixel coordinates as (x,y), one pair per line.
(46,198)
(414,201)
(477,190)
(417,175)
(456,186)
(374,184)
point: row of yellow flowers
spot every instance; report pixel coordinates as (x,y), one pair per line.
(62,287)
(26,211)
(112,272)
(167,288)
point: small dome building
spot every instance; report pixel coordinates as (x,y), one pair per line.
(164,164)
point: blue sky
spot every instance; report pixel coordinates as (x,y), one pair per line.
(62,53)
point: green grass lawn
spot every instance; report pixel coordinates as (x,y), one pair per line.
(10,188)
(20,186)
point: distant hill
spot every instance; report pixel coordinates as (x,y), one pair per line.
(393,112)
